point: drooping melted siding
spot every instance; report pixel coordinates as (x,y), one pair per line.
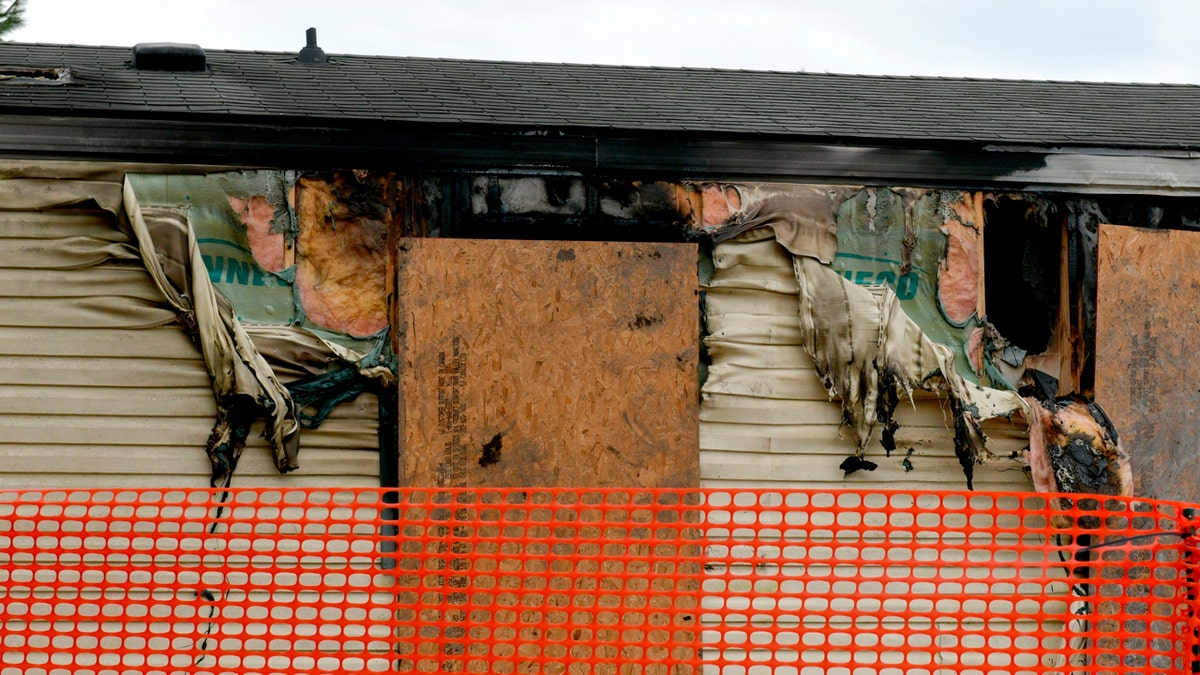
(100,386)
(766,420)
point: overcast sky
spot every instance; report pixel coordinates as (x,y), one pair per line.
(1095,40)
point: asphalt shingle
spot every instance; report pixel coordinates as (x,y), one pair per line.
(241,84)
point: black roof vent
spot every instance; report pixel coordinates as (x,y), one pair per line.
(169,56)
(311,52)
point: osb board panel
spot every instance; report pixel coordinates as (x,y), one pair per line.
(1147,342)
(534,363)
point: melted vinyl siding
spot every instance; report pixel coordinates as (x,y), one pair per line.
(100,387)
(767,422)
(765,419)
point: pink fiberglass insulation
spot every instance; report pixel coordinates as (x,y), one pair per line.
(258,214)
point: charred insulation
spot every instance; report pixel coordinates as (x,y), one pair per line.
(571,208)
(20,75)
(1163,213)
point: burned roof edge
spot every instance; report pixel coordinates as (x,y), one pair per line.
(415,150)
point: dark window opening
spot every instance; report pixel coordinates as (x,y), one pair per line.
(1022,243)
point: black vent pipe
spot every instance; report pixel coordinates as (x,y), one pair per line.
(312,54)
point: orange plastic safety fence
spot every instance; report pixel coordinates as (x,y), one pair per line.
(579,581)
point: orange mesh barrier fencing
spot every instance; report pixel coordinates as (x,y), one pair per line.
(580,582)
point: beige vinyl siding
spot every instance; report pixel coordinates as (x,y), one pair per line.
(101,387)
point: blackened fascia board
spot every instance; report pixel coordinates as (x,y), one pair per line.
(458,148)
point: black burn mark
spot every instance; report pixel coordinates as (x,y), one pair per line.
(885,408)
(491,451)
(364,196)
(565,255)
(641,201)
(1088,472)
(968,440)
(558,190)
(642,321)
(906,249)
(855,463)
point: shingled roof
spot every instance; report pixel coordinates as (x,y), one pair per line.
(540,96)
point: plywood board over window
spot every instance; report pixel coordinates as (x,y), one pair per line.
(540,363)
(1147,339)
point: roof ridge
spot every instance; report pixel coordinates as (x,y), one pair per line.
(644,68)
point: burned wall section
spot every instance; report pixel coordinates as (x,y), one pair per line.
(924,246)
(300,261)
(1022,249)
(1006,282)
(1025,280)
(1119,329)
(341,250)
(566,208)
(307,250)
